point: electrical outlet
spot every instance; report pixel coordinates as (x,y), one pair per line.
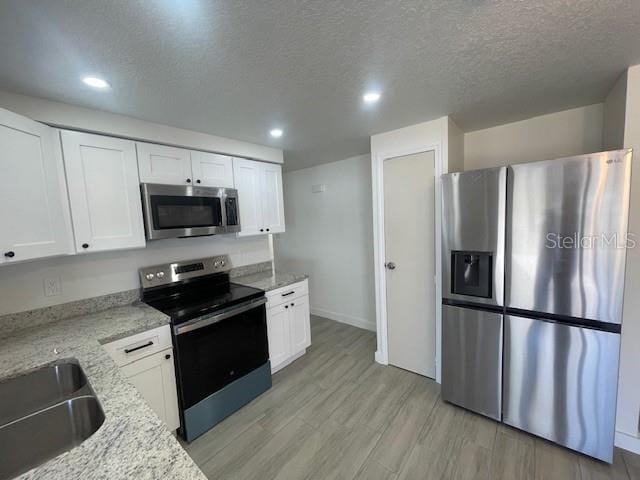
(52,286)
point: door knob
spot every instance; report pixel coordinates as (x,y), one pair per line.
(390,265)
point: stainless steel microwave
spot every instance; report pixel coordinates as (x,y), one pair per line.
(172,211)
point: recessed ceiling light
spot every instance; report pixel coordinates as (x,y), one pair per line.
(96,82)
(276,133)
(371,97)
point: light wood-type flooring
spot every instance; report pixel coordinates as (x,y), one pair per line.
(336,414)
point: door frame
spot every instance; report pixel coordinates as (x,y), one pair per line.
(377,171)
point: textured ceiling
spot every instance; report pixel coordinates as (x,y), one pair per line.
(238,67)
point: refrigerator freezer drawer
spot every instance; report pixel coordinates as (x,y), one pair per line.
(560,383)
(472,359)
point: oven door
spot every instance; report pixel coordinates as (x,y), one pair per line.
(215,350)
(184,211)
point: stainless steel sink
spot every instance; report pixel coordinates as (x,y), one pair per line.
(38,389)
(43,414)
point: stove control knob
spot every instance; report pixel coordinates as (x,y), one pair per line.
(222,263)
(149,276)
(160,274)
(216,264)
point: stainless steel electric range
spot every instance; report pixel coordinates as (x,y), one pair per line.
(219,337)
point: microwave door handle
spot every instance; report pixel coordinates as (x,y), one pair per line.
(207,320)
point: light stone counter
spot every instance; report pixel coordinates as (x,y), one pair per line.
(269,280)
(132,442)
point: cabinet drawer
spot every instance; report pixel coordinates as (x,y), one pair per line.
(284,294)
(130,349)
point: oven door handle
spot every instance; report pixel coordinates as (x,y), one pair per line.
(205,321)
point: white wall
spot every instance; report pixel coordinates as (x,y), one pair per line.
(614,109)
(329,237)
(91,275)
(628,414)
(455,154)
(78,118)
(560,134)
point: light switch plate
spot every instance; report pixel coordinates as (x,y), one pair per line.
(52,286)
(318,188)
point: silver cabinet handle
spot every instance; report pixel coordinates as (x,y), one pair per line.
(390,265)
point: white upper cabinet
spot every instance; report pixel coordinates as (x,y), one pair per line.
(211,169)
(162,164)
(246,175)
(177,166)
(104,192)
(260,195)
(35,212)
(272,197)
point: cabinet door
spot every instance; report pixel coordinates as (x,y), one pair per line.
(155,378)
(162,164)
(33,194)
(272,198)
(104,192)
(299,324)
(211,169)
(279,336)
(246,174)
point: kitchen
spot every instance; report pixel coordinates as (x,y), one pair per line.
(210,282)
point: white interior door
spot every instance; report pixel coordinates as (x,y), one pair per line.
(409,224)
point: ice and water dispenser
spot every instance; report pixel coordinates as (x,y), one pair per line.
(471,273)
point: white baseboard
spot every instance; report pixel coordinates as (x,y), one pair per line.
(343,318)
(627,442)
(380,358)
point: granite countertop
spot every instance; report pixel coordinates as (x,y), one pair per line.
(269,280)
(132,442)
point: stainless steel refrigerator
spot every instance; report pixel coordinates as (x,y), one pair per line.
(533,282)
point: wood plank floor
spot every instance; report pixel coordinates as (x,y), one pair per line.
(336,414)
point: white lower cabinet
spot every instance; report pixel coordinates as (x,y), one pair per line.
(299,324)
(146,359)
(288,324)
(155,378)
(278,333)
